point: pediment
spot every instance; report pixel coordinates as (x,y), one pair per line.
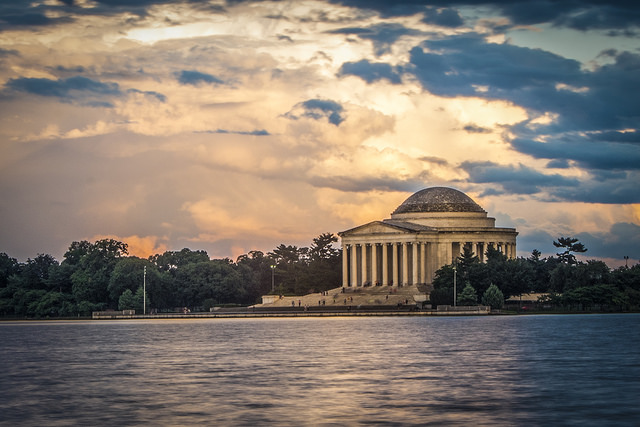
(383,227)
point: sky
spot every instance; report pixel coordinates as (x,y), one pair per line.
(232,126)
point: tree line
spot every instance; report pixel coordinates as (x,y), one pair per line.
(102,275)
(565,281)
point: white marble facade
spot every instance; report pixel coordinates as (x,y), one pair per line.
(428,230)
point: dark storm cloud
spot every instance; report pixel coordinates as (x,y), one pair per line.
(317,109)
(193,77)
(616,16)
(471,128)
(20,14)
(371,71)
(73,88)
(443,17)
(615,136)
(606,187)
(80,89)
(532,78)
(457,65)
(623,239)
(383,36)
(610,191)
(587,154)
(517,180)
(8,52)
(580,15)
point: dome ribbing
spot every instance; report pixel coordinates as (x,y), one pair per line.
(438,199)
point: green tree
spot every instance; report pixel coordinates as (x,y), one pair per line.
(493,297)
(171,261)
(216,279)
(8,267)
(290,261)
(139,301)
(128,273)
(91,278)
(323,271)
(126,301)
(255,269)
(468,295)
(570,245)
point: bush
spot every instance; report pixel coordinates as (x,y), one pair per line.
(468,296)
(493,297)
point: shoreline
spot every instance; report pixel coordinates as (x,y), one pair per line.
(307,314)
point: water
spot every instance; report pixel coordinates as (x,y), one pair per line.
(527,370)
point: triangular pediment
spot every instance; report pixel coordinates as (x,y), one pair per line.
(384,227)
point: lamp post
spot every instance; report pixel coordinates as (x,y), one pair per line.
(626,261)
(455,294)
(144,291)
(273,269)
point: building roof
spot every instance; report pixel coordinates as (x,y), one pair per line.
(438,199)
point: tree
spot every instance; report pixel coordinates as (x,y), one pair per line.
(127,274)
(170,261)
(290,261)
(255,269)
(8,267)
(468,295)
(493,297)
(323,271)
(139,301)
(126,300)
(570,244)
(91,278)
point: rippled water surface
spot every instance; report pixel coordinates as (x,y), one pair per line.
(526,370)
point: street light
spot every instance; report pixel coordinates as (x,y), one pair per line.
(144,291)
(455,273)
(273,269)
(626,261)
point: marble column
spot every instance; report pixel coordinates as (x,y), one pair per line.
(415,263)
(354,265)
(374,263)
(405,264)
(395,264)
(385,265)
(364,264)
(423,263)
(345,266)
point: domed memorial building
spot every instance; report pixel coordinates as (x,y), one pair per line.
(428,230)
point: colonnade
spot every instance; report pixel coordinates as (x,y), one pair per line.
(406,263)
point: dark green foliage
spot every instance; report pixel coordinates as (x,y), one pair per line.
(493,297)
(569,244)
(100,275)
(572,283)
(468,296)
(126,300)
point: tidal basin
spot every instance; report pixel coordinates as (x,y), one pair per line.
(492,370)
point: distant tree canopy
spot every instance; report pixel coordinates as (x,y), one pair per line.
(101,275)
(568,281)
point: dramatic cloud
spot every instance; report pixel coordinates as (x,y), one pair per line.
(237,125)
(371,71)
(67,89)
(317,109)
(192,77)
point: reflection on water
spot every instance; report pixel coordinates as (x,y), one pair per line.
(526,370)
